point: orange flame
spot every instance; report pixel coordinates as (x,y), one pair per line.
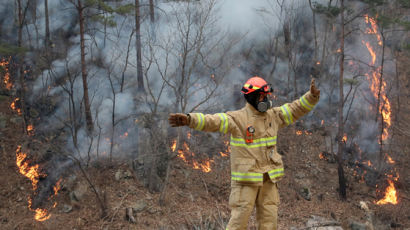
(41,214)
(378,87)
(323,122)
(299,132)
(31,172)
(57,187)
(183,153)
(30,130)
(390,195)
(227,151)
(322,156)
(390,160)
(174,145)
(13,106)
(125,135)
(344,138)
(6,80)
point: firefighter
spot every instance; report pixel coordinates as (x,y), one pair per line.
(256,166)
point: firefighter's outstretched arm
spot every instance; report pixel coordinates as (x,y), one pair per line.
(202,122)
(290,112)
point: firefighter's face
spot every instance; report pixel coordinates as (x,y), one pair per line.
(262,96)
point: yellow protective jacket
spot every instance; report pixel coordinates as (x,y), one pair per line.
(249,161)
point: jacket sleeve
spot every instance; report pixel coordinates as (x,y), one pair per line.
(290,112)
(210,122)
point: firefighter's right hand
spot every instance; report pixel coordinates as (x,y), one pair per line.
(178,119)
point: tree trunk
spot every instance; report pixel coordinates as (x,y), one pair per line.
(151,10)
(47,37)
(20,70)
(341,143)
(140,77)
(88,117)
(314,28)
(381,104)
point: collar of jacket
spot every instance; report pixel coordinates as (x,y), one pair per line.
(253,111)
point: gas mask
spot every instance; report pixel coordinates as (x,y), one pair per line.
(261,106)
(264,105)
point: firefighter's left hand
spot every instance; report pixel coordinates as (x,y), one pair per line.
(313,90)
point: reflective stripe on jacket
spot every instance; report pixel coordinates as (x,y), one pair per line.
(249,161)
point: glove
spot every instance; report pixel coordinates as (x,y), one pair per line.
(178,119)
(313,90)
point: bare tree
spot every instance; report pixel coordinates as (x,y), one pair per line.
(194,61)
(140,77)
(87,106)
(341,142)
(47,25)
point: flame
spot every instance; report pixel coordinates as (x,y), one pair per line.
(374,78)
(344,138)
(31,172)
(390,160)
(318,63)
(227,151)
(322,156)
(57,188)
(373,28)
(30,130)
(299,132)
(323,122)
(41,214)
(6,80)
(187,156)
(390,195)
(369,163)
(174,145)
(125,135)
(13,106)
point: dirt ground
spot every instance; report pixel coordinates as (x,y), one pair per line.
(198,200)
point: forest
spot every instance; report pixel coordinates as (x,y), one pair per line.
(87,87)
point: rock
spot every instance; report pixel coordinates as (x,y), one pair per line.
(127,174)
(118,175)
(139,206)
(305,193)
(67,208)
(354,225)
(152,210)
(321,223)
(129,215)
(78,193)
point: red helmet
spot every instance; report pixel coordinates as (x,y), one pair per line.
(256,84)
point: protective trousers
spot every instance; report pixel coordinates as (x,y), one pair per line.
(244,197)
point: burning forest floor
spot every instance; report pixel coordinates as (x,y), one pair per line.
(199,200)
(196,200)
